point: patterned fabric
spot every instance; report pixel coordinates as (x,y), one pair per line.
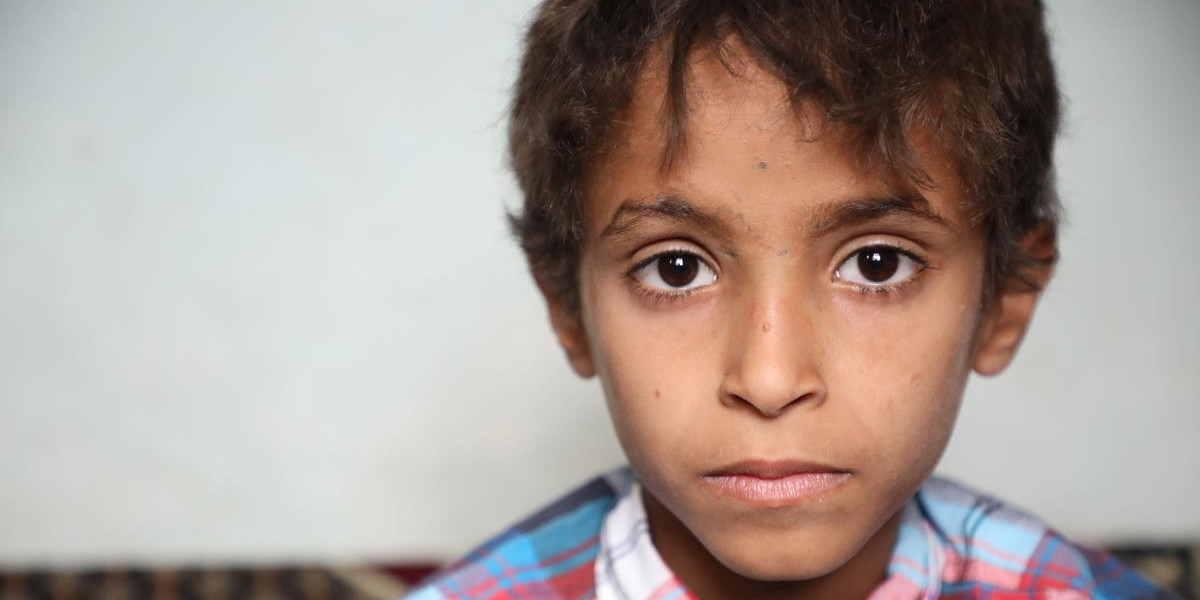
(953,543)
(549,556)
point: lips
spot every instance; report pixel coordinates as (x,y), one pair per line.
(776,483)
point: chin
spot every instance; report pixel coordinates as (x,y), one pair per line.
(773,558)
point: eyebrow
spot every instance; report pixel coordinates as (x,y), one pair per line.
(674,208)
(833,215)
(847,213)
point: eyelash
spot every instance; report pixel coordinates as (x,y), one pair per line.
(885,290)
(660,297)
(657,296)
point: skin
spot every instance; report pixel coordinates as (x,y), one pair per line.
(778,349)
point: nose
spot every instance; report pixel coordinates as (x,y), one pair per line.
(774,357)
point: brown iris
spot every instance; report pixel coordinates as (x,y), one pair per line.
(678,270)
(878,264)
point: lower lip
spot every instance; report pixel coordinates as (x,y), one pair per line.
(777,491)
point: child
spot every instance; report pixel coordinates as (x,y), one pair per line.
(782,233)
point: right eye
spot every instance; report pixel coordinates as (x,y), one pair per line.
(674,271)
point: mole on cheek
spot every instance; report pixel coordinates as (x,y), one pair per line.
(762,166)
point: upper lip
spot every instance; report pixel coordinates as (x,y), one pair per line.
(773,469)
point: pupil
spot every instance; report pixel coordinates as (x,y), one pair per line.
(678,270)
(878,264)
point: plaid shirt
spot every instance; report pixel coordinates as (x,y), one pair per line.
(953,543)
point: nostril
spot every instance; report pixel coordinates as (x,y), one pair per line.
(732,400)
(768,410)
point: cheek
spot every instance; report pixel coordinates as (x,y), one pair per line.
(907,368)
(652,369)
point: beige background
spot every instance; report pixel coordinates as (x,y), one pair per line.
(257,300)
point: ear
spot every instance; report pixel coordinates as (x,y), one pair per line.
(572,335)
(1009,313)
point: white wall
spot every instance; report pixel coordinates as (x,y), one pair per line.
(257,299)
(1100,418)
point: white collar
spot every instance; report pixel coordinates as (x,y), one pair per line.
(628,566)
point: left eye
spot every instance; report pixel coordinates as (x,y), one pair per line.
(878,266)
(674,271)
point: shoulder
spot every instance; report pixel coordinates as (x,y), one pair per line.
(548,555)
(991,546)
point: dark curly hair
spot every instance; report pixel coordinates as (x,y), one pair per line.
(976,73)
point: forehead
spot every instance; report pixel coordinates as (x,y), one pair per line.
(739,118)
(720,89)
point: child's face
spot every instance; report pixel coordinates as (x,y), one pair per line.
(783,337)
